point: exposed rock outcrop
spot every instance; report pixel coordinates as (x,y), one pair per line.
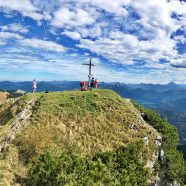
(19,123)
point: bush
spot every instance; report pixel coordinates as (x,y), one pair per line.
(173,167)
(121,167)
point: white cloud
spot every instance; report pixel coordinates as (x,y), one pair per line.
(42,44)
(126,48)
(113,50)
(179,62)
(73,35)
(14,27)
(9,35)
(116,7)
(155,15)
(94,31)
(77,17)
(180,39)
(151,43)
(178,7)
(129,39)
(127,32)
(24,6)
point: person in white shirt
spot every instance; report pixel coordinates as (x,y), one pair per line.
(34,86)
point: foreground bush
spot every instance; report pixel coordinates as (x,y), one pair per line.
(122,167)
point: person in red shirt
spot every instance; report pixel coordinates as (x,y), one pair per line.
(82,85)
(96,83)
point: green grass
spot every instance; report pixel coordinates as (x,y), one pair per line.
(90,122)
(93,121)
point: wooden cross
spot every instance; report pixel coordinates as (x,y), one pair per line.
(90,70)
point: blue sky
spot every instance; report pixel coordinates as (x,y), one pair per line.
(130,41)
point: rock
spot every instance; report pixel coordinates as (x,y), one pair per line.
(146,139)
(156,155)
(161,155)
(158,141)
(20,122)
(133,128)
(18,91)
(150,164)
(173,184)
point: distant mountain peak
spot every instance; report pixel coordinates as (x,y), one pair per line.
(172,83)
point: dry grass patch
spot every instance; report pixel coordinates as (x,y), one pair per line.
(90,122)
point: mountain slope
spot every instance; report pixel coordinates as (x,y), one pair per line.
(87,123)
(90,114)
(3,96)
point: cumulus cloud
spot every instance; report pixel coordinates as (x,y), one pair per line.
(73,35)
(157,21)
(155,15)
(25,7)
(67,17)
(127,48)
(14,27)
(94,31)
(9,35)
(132,33)
(42,44)
(180,39)
(179,62)
(116,7)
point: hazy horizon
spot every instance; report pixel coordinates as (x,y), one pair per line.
(30,81)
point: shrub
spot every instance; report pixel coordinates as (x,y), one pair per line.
(121,167)
(173,167)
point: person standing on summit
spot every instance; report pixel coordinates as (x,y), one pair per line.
(92,83)
(96,83)
(34,86)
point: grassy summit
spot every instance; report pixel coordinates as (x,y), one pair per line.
(73,138)
(92,121)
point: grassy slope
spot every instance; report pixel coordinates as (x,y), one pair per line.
(89,122)
(95,121)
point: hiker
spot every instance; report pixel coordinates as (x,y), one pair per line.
(92,83)
(96,83)
(34,86)
(82,85)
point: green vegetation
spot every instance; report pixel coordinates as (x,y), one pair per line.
(91,123)
(10,108)
(182,148)
(89,138)
(7,112)
(94,121)
(173,167)
(120,167)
